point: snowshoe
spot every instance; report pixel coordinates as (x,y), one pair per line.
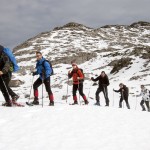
(75,103)
(97,104)
(17,104)
(15,98)
(51,104)
(35,102)
(86,102)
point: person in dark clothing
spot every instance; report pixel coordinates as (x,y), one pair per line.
(78,78)
(124,91)
(5,77)
(44,70)
(103,83)
(145,93)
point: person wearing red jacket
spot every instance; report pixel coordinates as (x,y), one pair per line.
(78,79)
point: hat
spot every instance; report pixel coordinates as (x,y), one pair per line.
(74,64)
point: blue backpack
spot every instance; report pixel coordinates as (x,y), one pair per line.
(12,58)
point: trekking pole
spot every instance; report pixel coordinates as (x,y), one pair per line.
(42,88)
(31,89)
(89,90)
(113,99)
(135,102)
(42,92)
(79,94)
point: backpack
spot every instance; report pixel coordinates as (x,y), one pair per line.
(50,66)
(82,73)
(12,58)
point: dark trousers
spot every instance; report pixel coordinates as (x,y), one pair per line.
(105,92)
(80,88)
(6,90)
(147,104)
(126,101)
(38,82)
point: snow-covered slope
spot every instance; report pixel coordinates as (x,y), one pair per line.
(73,127)
(82,127)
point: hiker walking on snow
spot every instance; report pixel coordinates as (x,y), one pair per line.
(78,79)
(124,91)
(103,83)
(145,93)
(44,70)
(6,68)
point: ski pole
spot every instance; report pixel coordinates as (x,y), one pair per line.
(42,88)
(89,90)
(136,102)
(42,92)
(79,93)
(113,99)
(31,89)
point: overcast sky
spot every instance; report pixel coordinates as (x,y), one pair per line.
(23,19)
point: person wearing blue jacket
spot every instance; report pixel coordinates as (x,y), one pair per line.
(44,70)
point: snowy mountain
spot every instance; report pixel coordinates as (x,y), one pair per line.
(122,51)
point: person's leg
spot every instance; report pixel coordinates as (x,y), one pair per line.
(74,91)
(147,105)
(49,91)
(97,96)
(120,102)
(7,79)
(81,93)
(36,84)
(127,103)
(3,88)
(105,92)
(142,105)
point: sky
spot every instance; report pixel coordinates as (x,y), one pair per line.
(24,19)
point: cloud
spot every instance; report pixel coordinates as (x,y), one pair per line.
(24,19)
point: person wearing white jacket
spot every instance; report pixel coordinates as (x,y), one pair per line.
(145,93)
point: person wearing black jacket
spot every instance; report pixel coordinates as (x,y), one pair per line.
(124,91)
(103,83)
(5,77)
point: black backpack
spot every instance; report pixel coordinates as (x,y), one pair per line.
(50,66)
(82,73)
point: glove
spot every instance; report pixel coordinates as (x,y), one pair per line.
(92,78)
(33,73)
(1,73)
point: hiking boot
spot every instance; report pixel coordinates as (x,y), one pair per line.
(75,103)
(51,104)
(15,98)
(7,104)
(35,102)
(107,105)
(97,104)
(86,102)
